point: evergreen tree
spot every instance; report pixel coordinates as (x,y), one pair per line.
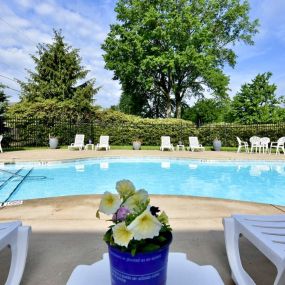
(3,102)
(58,76)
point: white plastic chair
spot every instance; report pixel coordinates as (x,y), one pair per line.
(194,144)
(267,233)
(103,143)
(165,143)
(1,138)
(78,142)
(16,236)
(264,142)
(242,144)
(278,145)
(255,143)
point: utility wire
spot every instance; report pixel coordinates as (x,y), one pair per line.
(15,79)
(12,88)
(19,31)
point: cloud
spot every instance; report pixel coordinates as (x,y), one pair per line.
(31,22)
(85,25)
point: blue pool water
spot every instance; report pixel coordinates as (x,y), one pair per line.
(245,181)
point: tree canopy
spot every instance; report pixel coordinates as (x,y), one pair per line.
(206,111)
(174,49)
(58,76)
(257,102)
(3,101)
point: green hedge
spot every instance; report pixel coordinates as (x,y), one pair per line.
(227,133)
(123,129)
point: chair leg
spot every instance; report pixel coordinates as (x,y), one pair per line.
(238,150)
(19,250)
(232,234)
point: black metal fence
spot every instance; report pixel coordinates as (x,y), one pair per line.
(19,133)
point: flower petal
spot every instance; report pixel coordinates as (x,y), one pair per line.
(122,235)
(145,226)
(110,203)
(125,188)
(137,199)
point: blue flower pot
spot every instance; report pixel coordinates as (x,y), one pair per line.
(142,269)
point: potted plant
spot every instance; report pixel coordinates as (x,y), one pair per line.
(137,144)
(53,141)
(217,144)
(138,238)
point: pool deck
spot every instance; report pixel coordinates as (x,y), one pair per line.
(65,231)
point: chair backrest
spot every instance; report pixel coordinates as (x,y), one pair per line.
(281,141)
(193,142)
(265,140)
(254,140)
(165,141)
(239,140)
(79,139)
(104,140)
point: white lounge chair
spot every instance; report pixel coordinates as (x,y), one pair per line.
(194,144)
(254,143)
(165,143)
(267,233)
(103,143)
(278,145)
(78,142)
(1,138)
(242,144)
(16,236)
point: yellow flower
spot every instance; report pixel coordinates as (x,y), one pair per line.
(122,235)
(110,203)
(163,218)
(138,198)
(145,226)
(125,188)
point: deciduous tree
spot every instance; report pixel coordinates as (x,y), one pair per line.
(176,47)
(257,102)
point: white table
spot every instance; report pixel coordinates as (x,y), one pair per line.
(180,272)
(180,147)
(87,146)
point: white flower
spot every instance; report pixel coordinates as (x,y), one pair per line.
(137,199)
(125,188)
(122,235)
(145,226)
(110,203)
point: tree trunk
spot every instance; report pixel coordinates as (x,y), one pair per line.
(178,101)
(168,106)
(178,110)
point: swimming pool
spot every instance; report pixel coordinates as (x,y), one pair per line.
(240,180)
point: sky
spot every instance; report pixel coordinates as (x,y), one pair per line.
(86,23)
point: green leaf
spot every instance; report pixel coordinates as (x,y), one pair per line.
(150,247)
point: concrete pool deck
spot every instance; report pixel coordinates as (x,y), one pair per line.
(65,231)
